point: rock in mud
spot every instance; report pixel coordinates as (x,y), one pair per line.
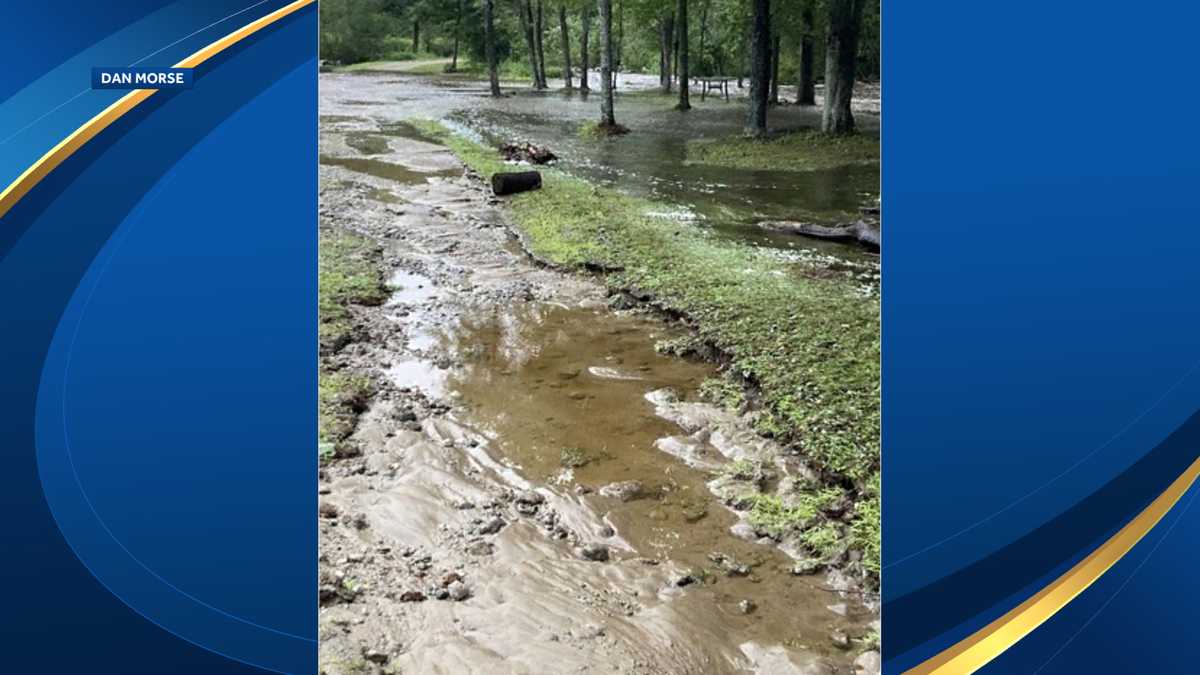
(492,526)
(594,552)
(839,639)
(458,591)
(450,578)
(412,596)
(684,580)
(328,510)
(530,498)
(626,490)
(480,548)
(747,606)
(375,656)
(807,567)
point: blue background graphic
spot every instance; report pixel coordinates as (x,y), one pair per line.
(1040,357)
(160,385)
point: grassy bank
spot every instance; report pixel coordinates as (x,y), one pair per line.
(806,150)
(348,275)
(809,343)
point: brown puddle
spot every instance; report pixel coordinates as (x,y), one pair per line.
(562,392)
(385,170)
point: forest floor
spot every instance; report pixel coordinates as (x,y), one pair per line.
(525,465)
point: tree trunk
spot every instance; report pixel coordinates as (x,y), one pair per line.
(607,118)
(539,32)
(489,45)
(841,56)
(416,37)
(775,71)
(667,41)
(806,86)
(525,10)
(620,39)
(684,74)
(760,68)
(566,44)
(457,32)
(586,21)
(704,34)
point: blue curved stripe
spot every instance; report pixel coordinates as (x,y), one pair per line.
(52,239)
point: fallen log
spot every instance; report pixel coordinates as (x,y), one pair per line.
(512,183)
(861,232)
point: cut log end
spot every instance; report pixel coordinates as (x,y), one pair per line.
(513,183)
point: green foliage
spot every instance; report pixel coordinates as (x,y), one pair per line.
(807,150)
(723,392)
(355,30)
(865,528)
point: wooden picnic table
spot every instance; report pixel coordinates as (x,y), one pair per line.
(709,82)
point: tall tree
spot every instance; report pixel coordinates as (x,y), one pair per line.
(525,10)
(841,61)
(416,35)
(607,118)
(666,44)
(489,45)
(457,36)
(586,24)
(760,67)
(684,74)
(774,99)
(538,33)
(566,43)
(806,86)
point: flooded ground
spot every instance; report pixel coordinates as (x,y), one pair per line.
(532,489)
(651,161)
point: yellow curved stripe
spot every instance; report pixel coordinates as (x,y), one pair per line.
(990,641)
(65,148)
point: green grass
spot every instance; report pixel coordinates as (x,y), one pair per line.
(810,344)
(341,397)
(798,151)
(348,274)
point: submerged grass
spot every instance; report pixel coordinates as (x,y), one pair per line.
(811,345)
(806,150)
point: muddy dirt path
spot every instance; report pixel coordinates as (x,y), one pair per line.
(532,490)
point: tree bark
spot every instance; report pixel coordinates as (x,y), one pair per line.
(684,74)
(704,33)
(666,42)
(489,45)
(566,44)
(841,61)
(416,37)
(607,116)
(760,68)
(525,10)
(806,86)
(774,100)
(586,21)
(539,32)
(457,32)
